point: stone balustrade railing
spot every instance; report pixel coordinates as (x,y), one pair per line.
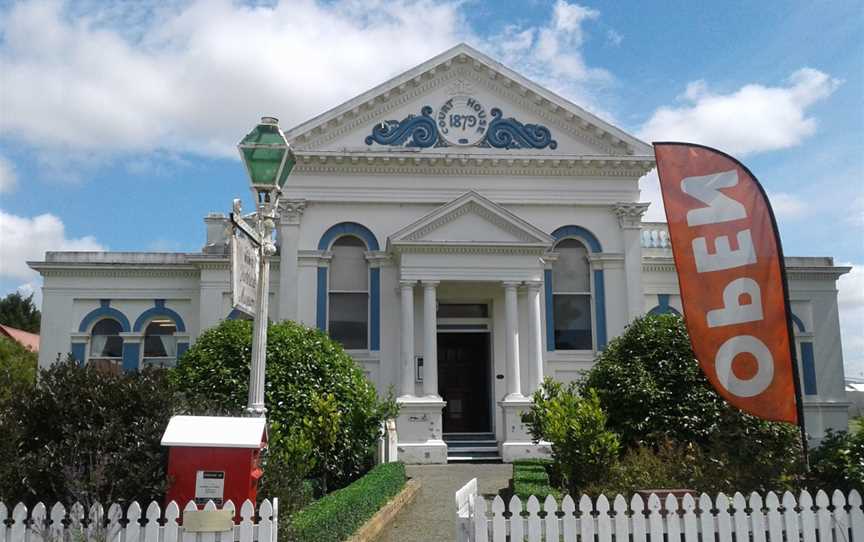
(655,235)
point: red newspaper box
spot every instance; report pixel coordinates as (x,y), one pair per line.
(214,458)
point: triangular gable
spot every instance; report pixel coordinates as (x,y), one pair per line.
(470,219)
(372,107)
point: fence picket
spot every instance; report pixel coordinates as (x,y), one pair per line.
(691,528)
(790,517)
(265,522)
(739,517)
(481,524)
(499,524)
(151,528)
(58,514)
(706,517)
(808,519)
(673,521)
(114,528)
(621,521)
(724,519)
(586,520)
(95,520)
(188,537)
(517,526)
(569,509)
(655,518)
(19,525)
(533,507)
(228,536)
(604,522)
(172,529)
(210,506)
(638,518)
(247,512)
(550,506)
(757,517)
(4,515)
(841,517)
(775,518)
(38,523)
(823,516)
(856,516)
(133,525)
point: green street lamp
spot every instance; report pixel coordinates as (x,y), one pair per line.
(268,159)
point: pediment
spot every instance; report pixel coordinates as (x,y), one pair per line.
(464,102)
(471,219)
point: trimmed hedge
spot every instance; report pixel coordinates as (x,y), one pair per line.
(531,477)
(338,515)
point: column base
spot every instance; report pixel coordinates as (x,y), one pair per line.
(418,429)
(518,443)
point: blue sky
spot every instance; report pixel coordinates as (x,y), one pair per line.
(117,121)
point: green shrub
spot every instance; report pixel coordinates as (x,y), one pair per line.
(17,368)
(653,390)
(583,450)
(313,389)
(338,515)
(669,466)
(82,434)
(531,477)
(838,463)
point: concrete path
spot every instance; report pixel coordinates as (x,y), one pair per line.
(432,515)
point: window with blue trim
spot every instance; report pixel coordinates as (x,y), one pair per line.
(571,296)
(106,345)
(348,296)
(160,344)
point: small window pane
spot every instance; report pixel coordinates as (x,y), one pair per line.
(349,319)
(159,340)
(572,322)
(105,340)
(571,272)
(348,269)
(107,327)
(463,310)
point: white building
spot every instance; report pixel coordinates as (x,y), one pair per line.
(457,217)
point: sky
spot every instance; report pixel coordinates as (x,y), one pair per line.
(118,121)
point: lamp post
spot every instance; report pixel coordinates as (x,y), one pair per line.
(268,159)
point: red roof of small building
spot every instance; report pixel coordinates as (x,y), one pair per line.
(26,339)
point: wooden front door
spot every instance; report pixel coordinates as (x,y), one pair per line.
(463,381)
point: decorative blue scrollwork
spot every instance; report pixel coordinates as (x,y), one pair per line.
(512,134)
(412,131)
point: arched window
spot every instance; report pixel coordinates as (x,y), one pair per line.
(160,344)
(348,308)
(106,345)
(571,295)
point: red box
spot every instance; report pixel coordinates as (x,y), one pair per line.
(214,458)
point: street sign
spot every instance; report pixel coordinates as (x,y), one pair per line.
(244,272)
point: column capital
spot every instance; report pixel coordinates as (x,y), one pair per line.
(407,284)
(630,213)
(291,211)
(531,285)
(430,283)
(508,284)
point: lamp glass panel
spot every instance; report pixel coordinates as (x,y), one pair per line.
(264,161)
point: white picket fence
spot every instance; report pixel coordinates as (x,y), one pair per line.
(94,524)
(772,519)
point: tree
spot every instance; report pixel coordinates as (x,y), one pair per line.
(314,391)
(653,391)
(20,312)
(17,368)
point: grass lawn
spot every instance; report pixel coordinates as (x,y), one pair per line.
(530,477)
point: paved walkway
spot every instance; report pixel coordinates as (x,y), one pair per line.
(432,515)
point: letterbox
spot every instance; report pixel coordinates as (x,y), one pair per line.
(214,458)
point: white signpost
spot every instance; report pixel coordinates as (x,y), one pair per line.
(245,267)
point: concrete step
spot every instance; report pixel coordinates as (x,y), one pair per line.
(462,444)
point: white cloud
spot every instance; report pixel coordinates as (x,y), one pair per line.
(614,38)
(194,76)
(788,206)
(23,238)
(8,177)
(850,299)
(754,118)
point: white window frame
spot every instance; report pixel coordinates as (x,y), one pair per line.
(591,298)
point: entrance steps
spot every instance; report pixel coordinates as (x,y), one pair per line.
(464,447)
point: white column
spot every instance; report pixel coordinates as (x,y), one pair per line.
(511,341)
(535,337)
(289,234)
(630,219)
(407,293)
(430,339)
